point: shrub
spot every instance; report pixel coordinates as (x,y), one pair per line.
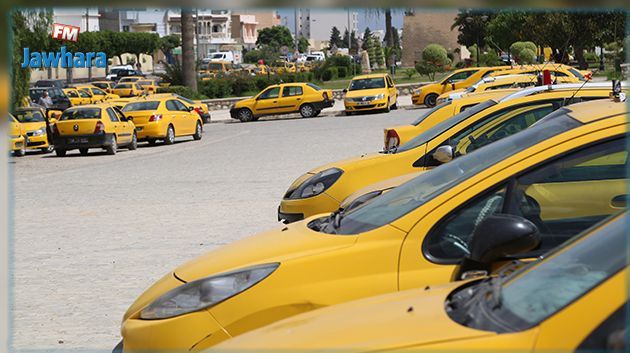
(329,73)
(490,59)
(342,71)
(183,91)
(591,57)
(410,72)
(242,84)
(526,56)
(522,52)
(434,59)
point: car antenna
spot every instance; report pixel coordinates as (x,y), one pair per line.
(566,101)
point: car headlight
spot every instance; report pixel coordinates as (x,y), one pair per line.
(316,184)
(418,91)
(39,132)
(206,292)
(379,96)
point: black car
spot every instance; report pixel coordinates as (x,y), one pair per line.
(59,99)
(51,83)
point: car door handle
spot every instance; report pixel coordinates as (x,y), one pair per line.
(619,201)
(275,101)
(299,99)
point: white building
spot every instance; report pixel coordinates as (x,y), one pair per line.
(214,30)
(86,18)
(315,25)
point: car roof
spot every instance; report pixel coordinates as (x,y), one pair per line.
(566,86)
(369,76)
(588,112)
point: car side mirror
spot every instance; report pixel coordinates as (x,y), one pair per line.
(443,154)
(494,239)
(190,109)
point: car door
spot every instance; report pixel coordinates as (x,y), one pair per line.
(74,97)
(122,136)
(267,102)
(127,126)
(457,81)
(560,197)
(86,98)
(292,98)
(391,90)
(188,118)
(176,117)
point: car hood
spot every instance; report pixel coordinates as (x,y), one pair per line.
(365,92)
(277,245)
(245,102)
(386,322)
(354,162)
(33,126)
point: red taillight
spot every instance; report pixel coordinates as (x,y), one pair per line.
(199,111)
(155,117)
(392,140)
(99,127)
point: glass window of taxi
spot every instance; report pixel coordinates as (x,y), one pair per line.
(270,93)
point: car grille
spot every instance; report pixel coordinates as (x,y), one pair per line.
(364,99)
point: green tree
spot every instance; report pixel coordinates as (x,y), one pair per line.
(275,37)
(168,43)
(379,55)
(434,59)
(353,40)
(471,25)
(367,34)
(506,28)
(335,38)
(303,45)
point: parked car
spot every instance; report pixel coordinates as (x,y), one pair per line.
(101,126)
(16,135)
(462,78)
(128,89)
(148,85)
(51,83)
(79,97)
(116,72)
(107,86)
(306,98)
(164,117)
(323,188)
(58,97)
(369,93)
(97,92)
(411,237)
(33,121)
(573,299)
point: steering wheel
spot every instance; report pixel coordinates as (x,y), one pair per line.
(457,242)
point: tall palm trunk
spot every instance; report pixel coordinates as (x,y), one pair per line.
(389,36)
(188,53)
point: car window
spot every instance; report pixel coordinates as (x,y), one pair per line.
(460,76)
(123,86)
(557,197)
(314,86)
(72,93)
(98,92)
(81,113)
(112,116)
(140,106)
(84,94)
(367,83)
(29,116)
(118,113)
(423,188)
(171,105)
(270,93)
(180,106)
(290,91)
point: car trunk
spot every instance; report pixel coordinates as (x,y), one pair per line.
(77,127)
(140,117)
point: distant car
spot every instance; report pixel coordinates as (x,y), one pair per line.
(33,121)
(119,74)
(115,71)
(18,141)
(59,99)
(306,98)
(128,89)
(93,126)
(369,93)
(316,56)
(51,83)
(97,92)
(79,97)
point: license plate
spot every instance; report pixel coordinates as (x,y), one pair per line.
(78,140)
(363,103)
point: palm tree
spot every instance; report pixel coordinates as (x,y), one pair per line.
(188,51)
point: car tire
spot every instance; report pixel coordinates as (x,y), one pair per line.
(317,112)
(430,100)
(307,110)
(388,108)
(60,153)
(198,132)
(134,142)
(245,115)
(169,139)
(83,151)
(395,106)
(347,113)
(20,153)
(113,146)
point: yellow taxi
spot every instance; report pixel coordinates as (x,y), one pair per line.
(101,126)
(130,79)
(399,135)
(306,98)
(369,93)
(78,97)
(214,69)
(107,86)
(461,78)
(263,70)
(561,73)
(323,189)
(18,141)
(33,120)
(413,236)
(149,86)
(283,67)
(97,92)
(490,83)
(573,300)
(163,118)
(129,89)
(196,104)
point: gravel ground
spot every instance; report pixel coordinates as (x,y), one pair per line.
(91,233)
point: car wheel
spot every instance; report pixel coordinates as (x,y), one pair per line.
(388,107)
(83,151)
(170,136)
(307,111)
(20,153)
(395,106)
(245,115)
(134,142)
(430,100)
(347,113)
(60,153)
(113,146)
(198,132)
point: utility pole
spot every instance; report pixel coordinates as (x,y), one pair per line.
(197,34)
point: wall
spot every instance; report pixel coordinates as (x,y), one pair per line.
(426,27)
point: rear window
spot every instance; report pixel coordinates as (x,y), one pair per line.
(137,106)
(315,87)
(81,114)
(123,86)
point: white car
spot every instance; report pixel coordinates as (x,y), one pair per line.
(113,71)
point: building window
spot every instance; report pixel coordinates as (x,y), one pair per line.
(125,28)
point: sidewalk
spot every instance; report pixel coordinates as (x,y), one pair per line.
(223,115)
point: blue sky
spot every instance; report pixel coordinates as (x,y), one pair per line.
(365,20)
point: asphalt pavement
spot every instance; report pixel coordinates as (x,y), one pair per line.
(91,233)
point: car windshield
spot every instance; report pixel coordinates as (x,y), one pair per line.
(427,113)
(367,83)
(577,74)
(438,129)
(185,99)
(418,191)
(29,116)
(138,106)
(115,71)
(217,56)
(314,86)
(81,113)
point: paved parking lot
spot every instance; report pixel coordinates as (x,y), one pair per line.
(91,233)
